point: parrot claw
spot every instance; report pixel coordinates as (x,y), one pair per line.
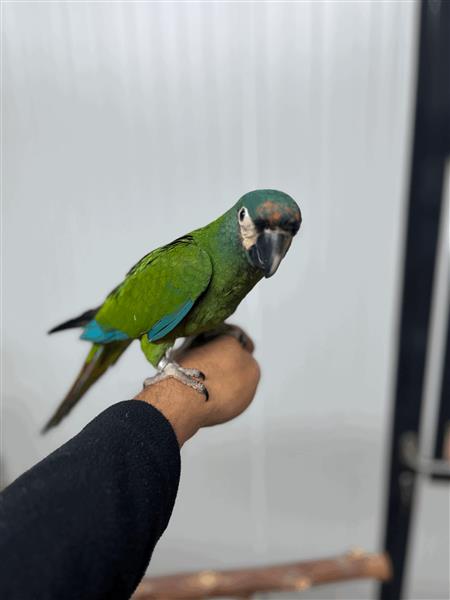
(192,373)
(189,377)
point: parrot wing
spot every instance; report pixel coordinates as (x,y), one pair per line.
(157,293)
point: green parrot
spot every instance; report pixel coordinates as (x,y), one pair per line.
(184,289)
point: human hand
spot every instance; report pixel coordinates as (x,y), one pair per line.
(232,376)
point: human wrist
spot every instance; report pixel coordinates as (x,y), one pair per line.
(180,405)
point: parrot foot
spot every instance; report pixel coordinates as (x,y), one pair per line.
(189,377)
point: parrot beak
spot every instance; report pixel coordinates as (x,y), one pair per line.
(269,250)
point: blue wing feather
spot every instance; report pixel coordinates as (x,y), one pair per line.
(98,334)
(169,322)
(94,332)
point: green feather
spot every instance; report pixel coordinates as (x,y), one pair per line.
(158,285)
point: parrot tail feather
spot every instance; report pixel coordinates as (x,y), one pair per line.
(79,321)
(99,359)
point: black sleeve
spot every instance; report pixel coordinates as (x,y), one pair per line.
(83,522)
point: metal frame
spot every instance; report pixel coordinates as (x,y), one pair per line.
(444,408)
(431,146)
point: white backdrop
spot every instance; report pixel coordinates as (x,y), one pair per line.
(127,124)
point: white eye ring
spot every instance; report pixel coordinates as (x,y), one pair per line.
(242,213)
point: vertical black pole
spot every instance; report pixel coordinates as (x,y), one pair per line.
(431,142)
(443,421)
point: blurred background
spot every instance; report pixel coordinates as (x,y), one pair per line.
(128,124)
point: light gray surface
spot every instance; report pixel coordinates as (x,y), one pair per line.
(129,124)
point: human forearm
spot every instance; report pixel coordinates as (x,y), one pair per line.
(83,522)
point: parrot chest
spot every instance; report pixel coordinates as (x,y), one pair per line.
(218,303)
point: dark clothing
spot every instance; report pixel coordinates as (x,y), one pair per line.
(83,522)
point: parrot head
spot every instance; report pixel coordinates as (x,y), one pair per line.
(267,221)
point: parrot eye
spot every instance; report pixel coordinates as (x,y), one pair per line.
(242,214)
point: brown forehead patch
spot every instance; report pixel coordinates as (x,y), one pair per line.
(266,208)
(275,218)
(270,212)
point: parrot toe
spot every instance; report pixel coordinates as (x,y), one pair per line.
(189,377)
(192,373)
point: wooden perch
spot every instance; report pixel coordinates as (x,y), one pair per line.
(243,583)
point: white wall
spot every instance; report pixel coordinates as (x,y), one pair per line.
(127,124)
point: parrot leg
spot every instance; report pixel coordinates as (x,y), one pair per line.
(190,377)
